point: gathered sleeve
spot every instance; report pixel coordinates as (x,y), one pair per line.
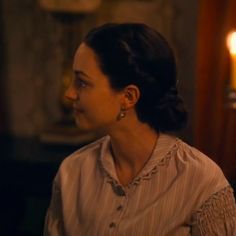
(217,216)
(54,219)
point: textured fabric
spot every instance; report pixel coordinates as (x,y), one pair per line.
(179,191)
(216,215)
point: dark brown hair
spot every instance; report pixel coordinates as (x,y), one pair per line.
(133,53)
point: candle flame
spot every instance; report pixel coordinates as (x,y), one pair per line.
(231,42)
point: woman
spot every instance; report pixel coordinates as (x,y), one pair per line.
(137,179)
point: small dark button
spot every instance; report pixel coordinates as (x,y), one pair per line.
(119,208)
(119,190)
(112,225)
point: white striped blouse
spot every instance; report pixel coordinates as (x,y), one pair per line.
(179,192)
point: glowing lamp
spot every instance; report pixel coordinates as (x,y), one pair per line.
(231,43)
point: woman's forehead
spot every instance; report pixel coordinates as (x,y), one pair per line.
(85,61)
(84,58)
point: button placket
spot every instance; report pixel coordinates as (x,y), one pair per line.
(119,209)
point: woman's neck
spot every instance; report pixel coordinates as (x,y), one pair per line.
(132,147)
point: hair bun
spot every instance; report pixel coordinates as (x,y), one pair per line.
(170,98)
(170,105)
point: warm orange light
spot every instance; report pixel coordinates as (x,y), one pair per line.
(231,43)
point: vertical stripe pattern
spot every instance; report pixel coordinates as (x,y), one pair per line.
(162,200)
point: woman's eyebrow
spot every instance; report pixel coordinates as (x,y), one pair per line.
(81,73)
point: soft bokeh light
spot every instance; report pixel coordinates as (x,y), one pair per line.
(231,42)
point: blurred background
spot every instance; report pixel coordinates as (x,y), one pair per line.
(38,39)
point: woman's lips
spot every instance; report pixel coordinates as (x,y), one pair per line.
(78,110)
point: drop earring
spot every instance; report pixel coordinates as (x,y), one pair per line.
(122,113)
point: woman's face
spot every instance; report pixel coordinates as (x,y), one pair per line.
(96,105)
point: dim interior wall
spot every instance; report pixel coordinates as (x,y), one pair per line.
(33,61)
(35,52)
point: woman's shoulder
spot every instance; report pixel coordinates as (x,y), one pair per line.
(187,157)
(88,153)
(201,171)
(199,175)
(196,159)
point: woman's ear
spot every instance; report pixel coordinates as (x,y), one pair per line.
(131,96)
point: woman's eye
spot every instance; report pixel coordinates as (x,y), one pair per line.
(80,83)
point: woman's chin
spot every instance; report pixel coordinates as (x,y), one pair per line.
(83,126)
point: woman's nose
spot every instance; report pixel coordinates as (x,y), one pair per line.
(71,93)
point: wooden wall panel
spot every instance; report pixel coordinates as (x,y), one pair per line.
(215,124)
